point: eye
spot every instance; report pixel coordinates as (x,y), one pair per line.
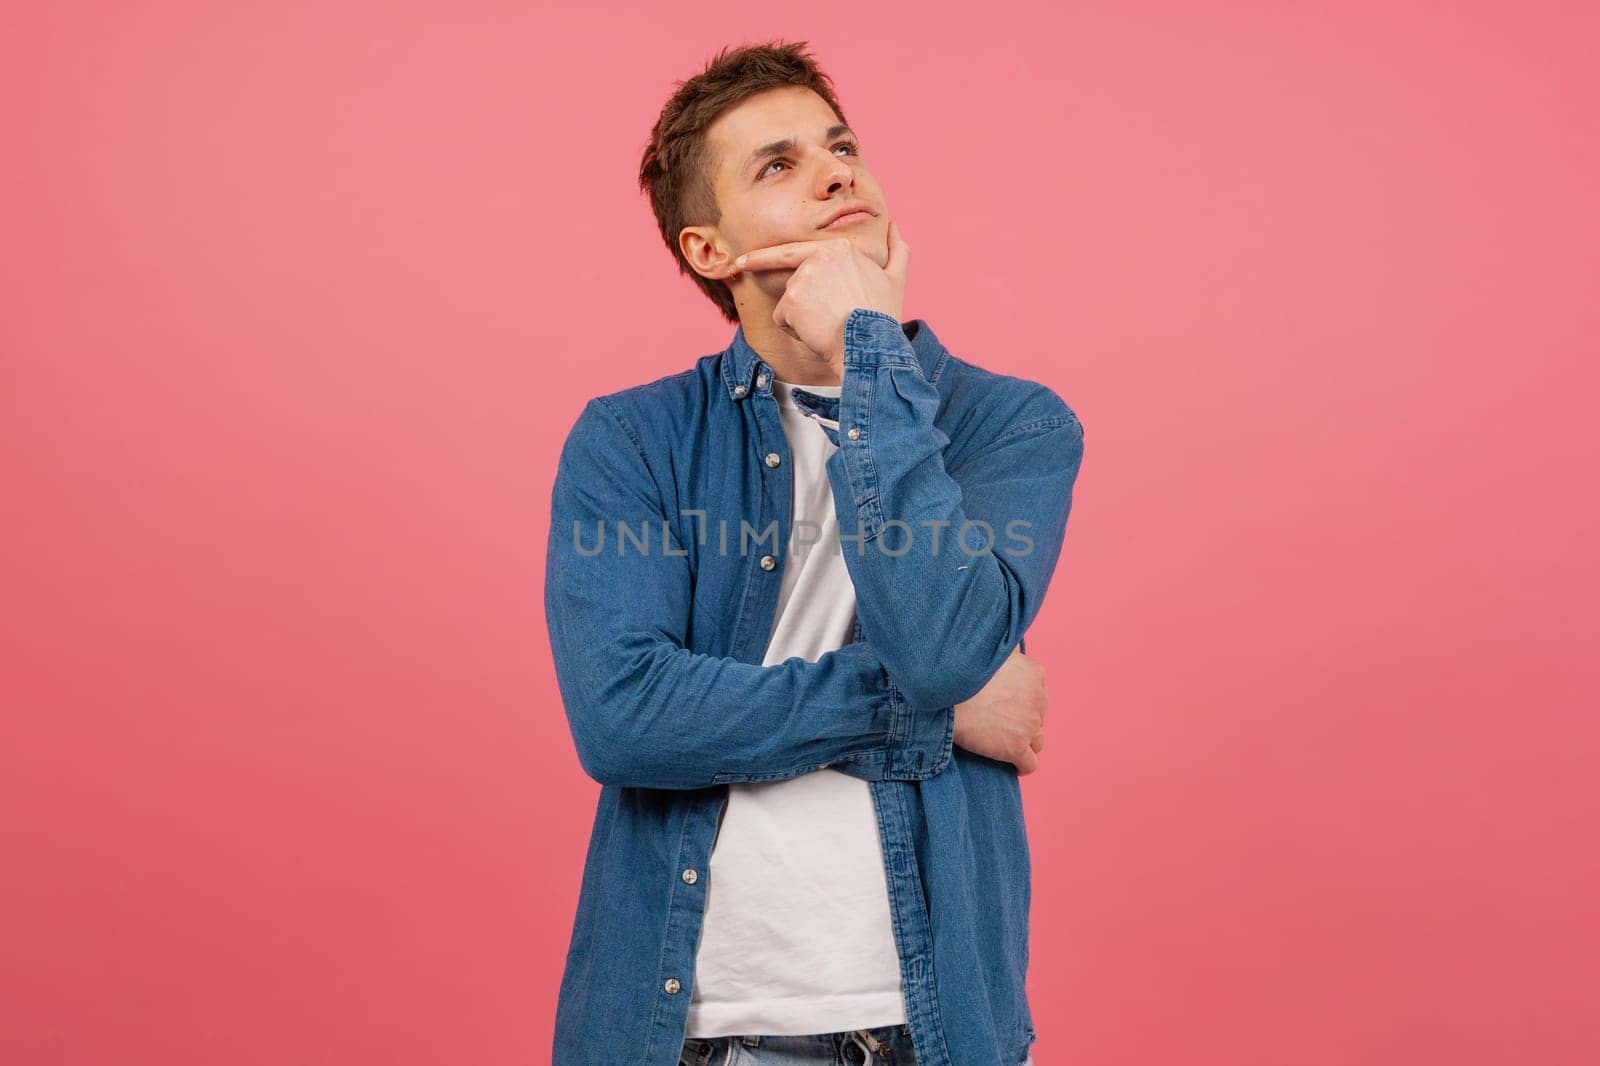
(854,149)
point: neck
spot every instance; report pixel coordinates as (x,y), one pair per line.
(791,360)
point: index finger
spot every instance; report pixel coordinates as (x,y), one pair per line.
(778,255)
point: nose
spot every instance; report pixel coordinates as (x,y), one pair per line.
(836,174)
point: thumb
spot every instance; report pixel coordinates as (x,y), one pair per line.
(899,254)
(1028,763)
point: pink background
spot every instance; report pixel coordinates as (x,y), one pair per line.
(300,300)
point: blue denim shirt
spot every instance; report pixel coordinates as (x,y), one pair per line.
(670,510)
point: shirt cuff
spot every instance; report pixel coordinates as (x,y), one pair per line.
(922,740)
(875,338)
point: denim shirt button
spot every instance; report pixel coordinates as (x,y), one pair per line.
(672,986)
(738,390)
(768,562)
(855,433)
(773,459)
(690,877)
(761,379)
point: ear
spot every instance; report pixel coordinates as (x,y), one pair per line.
(707,252)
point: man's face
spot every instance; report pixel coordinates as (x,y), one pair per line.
(784,166)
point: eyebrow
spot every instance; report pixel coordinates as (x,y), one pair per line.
(788,144)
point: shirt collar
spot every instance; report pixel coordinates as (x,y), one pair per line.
(739,360)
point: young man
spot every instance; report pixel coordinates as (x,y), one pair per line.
(786,590)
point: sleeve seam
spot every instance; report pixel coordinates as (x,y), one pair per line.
(606,405)
(1046,423)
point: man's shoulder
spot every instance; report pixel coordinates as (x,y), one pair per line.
(659,409)
(667,388)
(992,404)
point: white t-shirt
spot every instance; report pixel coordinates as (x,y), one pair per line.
(798,936)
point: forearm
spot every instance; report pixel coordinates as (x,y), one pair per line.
(647,714)
(949,568)
(646,711)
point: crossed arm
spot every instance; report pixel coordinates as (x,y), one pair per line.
(646,711)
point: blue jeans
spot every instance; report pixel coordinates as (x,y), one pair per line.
(886,1046)
(889,1045)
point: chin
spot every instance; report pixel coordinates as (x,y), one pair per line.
(865,235)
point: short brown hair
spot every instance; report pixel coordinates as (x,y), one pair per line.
(675,171)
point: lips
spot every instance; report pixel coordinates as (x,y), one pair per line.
(850,218)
